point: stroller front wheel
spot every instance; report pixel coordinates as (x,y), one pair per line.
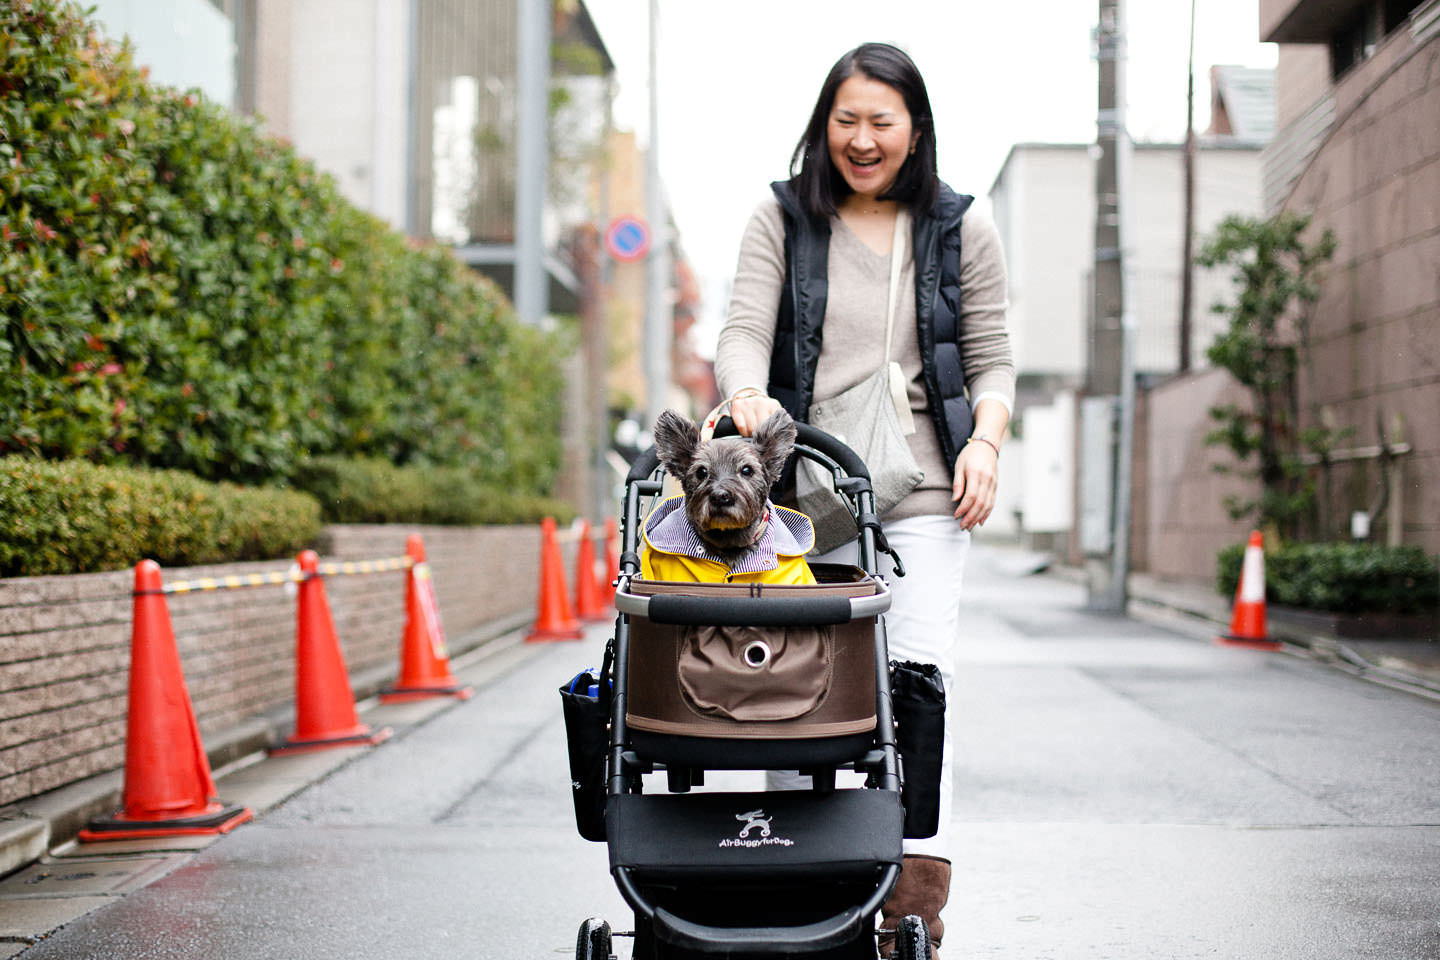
(912,939)
(593,943)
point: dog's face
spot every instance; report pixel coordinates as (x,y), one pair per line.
(726,481)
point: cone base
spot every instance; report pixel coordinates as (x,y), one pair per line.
(407,694)
(1252,643)
(120,827)
(556,633)
(361,738)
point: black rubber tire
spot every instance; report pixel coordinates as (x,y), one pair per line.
(912,939)
(593,943)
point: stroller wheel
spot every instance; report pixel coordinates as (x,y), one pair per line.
(593,943)
(912,939)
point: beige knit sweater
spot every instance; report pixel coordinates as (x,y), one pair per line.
(854,330)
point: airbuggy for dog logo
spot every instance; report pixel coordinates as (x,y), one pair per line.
(755,822)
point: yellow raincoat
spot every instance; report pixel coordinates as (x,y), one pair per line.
(672,551)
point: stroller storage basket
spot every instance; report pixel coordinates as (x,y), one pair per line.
(805,670)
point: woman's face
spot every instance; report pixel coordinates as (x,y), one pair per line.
(870,134)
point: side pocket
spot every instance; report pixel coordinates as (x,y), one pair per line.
(587,718)
(917,695)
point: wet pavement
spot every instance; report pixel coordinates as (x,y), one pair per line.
(1126,789)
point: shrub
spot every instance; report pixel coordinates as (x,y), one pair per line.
(1341,577)
(77,517)
(179,290)
(375,491)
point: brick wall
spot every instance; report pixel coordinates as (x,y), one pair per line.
(65,641)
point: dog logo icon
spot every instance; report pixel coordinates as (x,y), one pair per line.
(753,819)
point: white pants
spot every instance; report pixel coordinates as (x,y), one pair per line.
(922,625)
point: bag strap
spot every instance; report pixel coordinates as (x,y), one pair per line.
(899,396)
(897,259)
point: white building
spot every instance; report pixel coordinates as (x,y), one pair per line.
(1044,206)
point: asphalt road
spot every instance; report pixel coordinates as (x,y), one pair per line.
(1126,790)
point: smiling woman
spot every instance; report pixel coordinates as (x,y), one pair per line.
(864,268)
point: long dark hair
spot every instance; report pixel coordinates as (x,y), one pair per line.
(818,184)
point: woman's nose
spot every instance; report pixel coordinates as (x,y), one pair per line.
(862,139)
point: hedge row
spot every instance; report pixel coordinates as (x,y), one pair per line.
(1341,577)
(77,517)
(179,290)
(375,491)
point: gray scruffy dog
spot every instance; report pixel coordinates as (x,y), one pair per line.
(726,481)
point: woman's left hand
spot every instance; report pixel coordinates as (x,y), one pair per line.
(977,476)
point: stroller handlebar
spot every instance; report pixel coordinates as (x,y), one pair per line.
(680,609)
(807,435)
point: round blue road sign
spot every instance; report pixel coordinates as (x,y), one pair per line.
(627,238)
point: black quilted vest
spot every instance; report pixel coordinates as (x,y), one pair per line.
(799,327)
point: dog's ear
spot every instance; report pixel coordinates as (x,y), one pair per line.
(676,438)
(774,442)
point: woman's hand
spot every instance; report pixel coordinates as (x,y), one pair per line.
(977,477)
(751,410)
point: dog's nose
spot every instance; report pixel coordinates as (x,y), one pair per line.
(722,498)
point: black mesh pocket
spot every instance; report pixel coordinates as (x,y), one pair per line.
(917,695)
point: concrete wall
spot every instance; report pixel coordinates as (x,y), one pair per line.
(1179,521)
(65,641)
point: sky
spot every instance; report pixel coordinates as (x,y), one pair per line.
(738,80)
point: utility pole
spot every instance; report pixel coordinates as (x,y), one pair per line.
(1187,256)
(531,157)
(659,324)
(1107,412)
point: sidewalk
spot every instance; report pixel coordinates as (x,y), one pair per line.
(62,883)
(1409,664)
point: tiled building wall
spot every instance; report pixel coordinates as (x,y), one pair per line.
(1376,329)
(65,641)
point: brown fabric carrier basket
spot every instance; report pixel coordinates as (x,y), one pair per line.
(696,682)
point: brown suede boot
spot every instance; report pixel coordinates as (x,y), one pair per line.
(923,889)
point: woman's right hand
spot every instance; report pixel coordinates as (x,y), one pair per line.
(750,411)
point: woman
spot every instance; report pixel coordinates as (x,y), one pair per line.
(807,320)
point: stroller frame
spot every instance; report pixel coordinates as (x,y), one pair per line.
(822,930)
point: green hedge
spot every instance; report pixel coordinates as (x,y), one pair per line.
(77,517)
(374,491)
(179,290)
(1341,577)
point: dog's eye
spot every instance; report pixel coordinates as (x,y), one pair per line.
(701,473)
(746,470)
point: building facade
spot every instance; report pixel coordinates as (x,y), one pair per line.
(1044,206)
(1358,148)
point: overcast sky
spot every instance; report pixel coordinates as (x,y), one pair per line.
(738,80)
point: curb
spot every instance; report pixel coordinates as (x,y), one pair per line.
(32,827)
(1417,676)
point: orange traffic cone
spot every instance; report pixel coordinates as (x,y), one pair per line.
(324,703)
(554,620)
(612,560)
(589,603)
(168,787)
(1247,623)
(424,662)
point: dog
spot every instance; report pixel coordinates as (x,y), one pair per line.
(725,529)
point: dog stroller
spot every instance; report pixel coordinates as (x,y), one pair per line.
(720,677)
